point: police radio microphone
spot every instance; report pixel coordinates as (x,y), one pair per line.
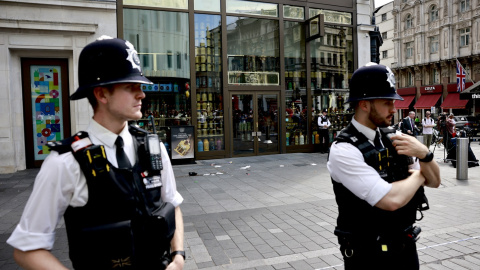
(408,159)
(153,144)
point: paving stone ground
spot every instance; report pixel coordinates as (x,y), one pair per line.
(279,212)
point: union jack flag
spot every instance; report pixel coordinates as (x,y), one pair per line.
(461,77)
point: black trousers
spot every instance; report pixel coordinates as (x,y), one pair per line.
(324,140)
(371,257)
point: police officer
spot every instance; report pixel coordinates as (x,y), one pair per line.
(121,211)
(323,125)
(378,178)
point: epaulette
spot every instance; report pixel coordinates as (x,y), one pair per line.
(137,131)
(65,145)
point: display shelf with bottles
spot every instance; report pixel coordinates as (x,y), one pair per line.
(209,98)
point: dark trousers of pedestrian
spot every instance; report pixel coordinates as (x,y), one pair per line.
(324,140)
(372,257)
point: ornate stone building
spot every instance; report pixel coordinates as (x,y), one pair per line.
(429,35)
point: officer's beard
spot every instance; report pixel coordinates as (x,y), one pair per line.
(377,119)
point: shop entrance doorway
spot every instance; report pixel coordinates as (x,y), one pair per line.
(46,106)
(255,122)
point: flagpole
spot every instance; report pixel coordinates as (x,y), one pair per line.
(468,74)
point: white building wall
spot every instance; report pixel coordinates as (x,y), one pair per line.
(364,26)
(43,29)
(386,26)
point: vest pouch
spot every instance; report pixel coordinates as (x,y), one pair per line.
(159,231)
(108,246)
(163,218)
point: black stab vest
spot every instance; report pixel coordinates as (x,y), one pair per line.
(358,217)
(112,229)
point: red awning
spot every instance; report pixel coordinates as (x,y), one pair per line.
(427,101)
(405,103)
(453,101)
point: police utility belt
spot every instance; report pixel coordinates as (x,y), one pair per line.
(125,224)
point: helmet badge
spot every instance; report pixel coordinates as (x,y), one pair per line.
(390,77)
(132,56)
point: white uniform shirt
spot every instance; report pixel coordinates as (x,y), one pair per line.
(321,123)
(347,166)
(61,183)
(427,122)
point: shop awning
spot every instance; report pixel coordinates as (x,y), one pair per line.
(427,101)
(453,101)
(405,103)
(472,92)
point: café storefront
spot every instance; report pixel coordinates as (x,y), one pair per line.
(245,77)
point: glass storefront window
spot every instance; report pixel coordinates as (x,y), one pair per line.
(332,16)
(252,8)
(207,5)
(161,40)
(330,76)
(253,51)
(209,94)
(181,4)
(292,12)
(295,84)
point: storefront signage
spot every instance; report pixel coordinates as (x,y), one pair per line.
(430,89)
(253,78)
(150,87)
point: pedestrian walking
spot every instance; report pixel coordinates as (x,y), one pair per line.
(408,125)
(428,123)
(113,183)
(378,178)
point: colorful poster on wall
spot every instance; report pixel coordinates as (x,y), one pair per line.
(46,108)
(182,142)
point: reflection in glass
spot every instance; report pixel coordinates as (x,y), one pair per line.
(292,12)
(242,110)
(267,115)
(208,66)
(253,51)
(332,16)
(332,67)
(295,84)
(158,36)
(181,4)
(207,5)
(252,8)
(161,40)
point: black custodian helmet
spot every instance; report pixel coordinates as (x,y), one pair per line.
(107,61)
(373,81)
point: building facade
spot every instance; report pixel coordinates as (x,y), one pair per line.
(231,78)
(39,47)
(384,20)
(429,38)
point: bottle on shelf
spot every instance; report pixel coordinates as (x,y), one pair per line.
(317,138)
(219,144)
(301,139)
(200,145)
(211,144)
(287,138)
(205,145)
(296,139)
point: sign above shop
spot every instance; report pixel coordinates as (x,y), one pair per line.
(430,89)
(150,87)
(315,27)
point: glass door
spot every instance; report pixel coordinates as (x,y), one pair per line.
(255,123)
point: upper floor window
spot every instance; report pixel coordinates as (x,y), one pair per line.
(384,17)
(435,76)
(409,49)
(434,44)
(464,37)
(409,78)
(408,22)
(433,13)
(384,54)
(464,5)
(384,35)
